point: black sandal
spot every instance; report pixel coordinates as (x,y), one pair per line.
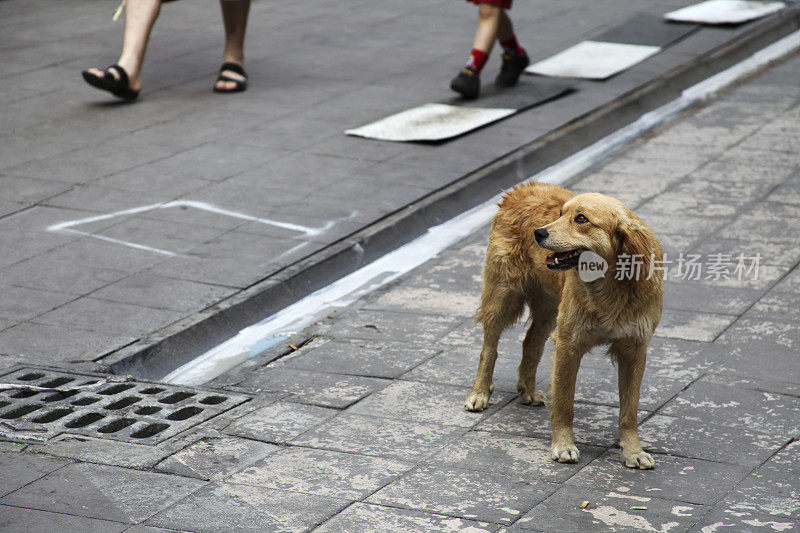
(241,85)
(121,88)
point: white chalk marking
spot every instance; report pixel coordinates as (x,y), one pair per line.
(69,225)
(255,339)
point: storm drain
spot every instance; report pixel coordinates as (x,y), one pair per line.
(37,404)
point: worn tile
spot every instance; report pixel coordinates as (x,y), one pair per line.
(510,455)
(160,292)
(364,358)
(215,458)
(60,276)
(425,402)
(709,441)
(674,478)
(367,517)
(693,325)
(393,326)
(382,437)
(224,507)
(593,424)
(772,489)
(36,521)
(20,469)
(428,300)
(458,367)
(20,303)
(107,317)
(737,403)
(43,343)
(729,519)
(316,388)
(279,422)
(612,511)
(321,472)
(464,493)
(105,492)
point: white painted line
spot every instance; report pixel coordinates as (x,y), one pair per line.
(430,122)
(258,337)
(593,60)
(724,11)
(69,225)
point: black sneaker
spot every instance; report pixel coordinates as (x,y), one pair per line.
(513,65)
(467,83)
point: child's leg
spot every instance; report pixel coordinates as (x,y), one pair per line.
(467,82)
(515,59)
(489,20)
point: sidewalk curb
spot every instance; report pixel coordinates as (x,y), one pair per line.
(158,354)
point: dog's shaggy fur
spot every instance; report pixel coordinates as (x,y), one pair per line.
(534,221)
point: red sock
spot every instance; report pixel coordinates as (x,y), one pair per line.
(477,59)
(511,46)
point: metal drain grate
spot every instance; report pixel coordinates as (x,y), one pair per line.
(37,404)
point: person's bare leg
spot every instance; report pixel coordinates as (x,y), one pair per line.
(234,17)
(488,23)
(140,16)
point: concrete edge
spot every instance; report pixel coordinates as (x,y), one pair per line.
(156,355)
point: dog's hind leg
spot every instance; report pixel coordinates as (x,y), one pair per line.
(500,308)
(631,355)
(543,321)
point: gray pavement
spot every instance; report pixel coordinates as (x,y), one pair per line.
(97,291)
(363,429)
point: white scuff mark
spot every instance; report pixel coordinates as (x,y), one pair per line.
(612,517)
(69,225)
(293,318)
(776,526)
(682,510)
(628,496)
(712,528)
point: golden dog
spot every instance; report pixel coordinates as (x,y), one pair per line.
(534,221)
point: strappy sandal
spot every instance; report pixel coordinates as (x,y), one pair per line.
(241,85)
(119,87)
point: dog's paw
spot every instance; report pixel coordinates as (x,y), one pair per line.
(564,453)
(477,401)
(537,398)
(641,460)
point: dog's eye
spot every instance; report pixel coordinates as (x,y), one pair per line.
(580,219)
(560,212)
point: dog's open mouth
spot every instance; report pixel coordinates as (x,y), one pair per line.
(563,260)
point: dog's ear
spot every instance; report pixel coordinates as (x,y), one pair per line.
(633,238)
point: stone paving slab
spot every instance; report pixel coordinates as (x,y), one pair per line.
(222,507)
(279,422)
(321,472)
(35,521)
(400,440)
(364,428)
(363,517)
(474,495)
(105,492)
(612,511)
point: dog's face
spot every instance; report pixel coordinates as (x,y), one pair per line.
(588,221)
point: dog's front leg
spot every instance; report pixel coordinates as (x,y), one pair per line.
(631,355)
(566,361)
(478,397)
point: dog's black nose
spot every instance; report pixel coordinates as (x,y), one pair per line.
(541,234)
